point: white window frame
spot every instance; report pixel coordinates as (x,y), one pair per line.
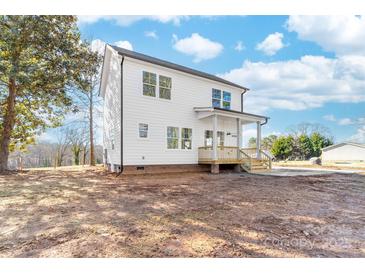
(139,131)
(221,99)
(167,88)
(187,139)
(149,84)
(167,138)
(225,101)
(217,99)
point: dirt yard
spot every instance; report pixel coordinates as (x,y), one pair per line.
(87,213)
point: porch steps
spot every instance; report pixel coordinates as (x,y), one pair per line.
(257,166)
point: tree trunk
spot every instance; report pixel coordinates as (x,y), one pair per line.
(8,125)
(92,151)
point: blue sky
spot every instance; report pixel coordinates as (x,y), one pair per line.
(299,68)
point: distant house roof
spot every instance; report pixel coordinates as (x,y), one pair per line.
(156,61)
(343,144)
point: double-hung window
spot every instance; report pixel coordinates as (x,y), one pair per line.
(165,87)
(208,140)
(143,130)
(172,137)
(226,103)
(186,138)
(216,98)
(221,99)
(149,84)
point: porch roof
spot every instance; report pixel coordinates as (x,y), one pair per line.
(245,117)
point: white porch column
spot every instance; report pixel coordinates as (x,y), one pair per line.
(239,136)
(258,140)
(215,141)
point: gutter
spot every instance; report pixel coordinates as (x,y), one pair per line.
(121,116)
(242,93)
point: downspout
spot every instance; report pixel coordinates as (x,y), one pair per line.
(121,116)
(264,123)
(242,93)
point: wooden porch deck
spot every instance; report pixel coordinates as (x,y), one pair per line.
(245,157)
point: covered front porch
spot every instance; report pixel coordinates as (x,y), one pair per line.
(216,152)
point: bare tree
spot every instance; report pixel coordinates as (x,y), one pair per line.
(62,144)
(77,140)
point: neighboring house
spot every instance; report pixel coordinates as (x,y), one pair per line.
(345,152)
(160,116)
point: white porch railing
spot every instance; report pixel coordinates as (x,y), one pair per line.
(233,155)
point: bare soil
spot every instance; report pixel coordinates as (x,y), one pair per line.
(89,213)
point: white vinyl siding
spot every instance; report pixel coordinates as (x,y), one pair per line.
(112,111)
(346,152)
(187,92)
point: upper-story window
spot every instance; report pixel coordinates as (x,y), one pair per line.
(149,84)
(226,103)
(165,87)
(216,98)
(221,99)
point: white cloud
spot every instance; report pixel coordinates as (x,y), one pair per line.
(272,44)
(300,84)
(330,117)
(345,122)
(197,46)
(344,35)
(124,44)
(359,136)
(127,20)
(151,34)
(239,46)
(98,46)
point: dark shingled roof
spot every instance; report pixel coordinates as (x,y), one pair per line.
(156,61)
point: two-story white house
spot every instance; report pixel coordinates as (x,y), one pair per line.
(163,117)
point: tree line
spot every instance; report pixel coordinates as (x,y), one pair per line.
(303,142)
(46,72)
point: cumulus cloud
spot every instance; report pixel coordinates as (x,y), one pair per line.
(239,46)
(127,20)
(197,46)
(345,122)
(272,44)
(309,82)
(98,46)
(359,136)
(124,44)
(344,35)
(329,117)
(151,34)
